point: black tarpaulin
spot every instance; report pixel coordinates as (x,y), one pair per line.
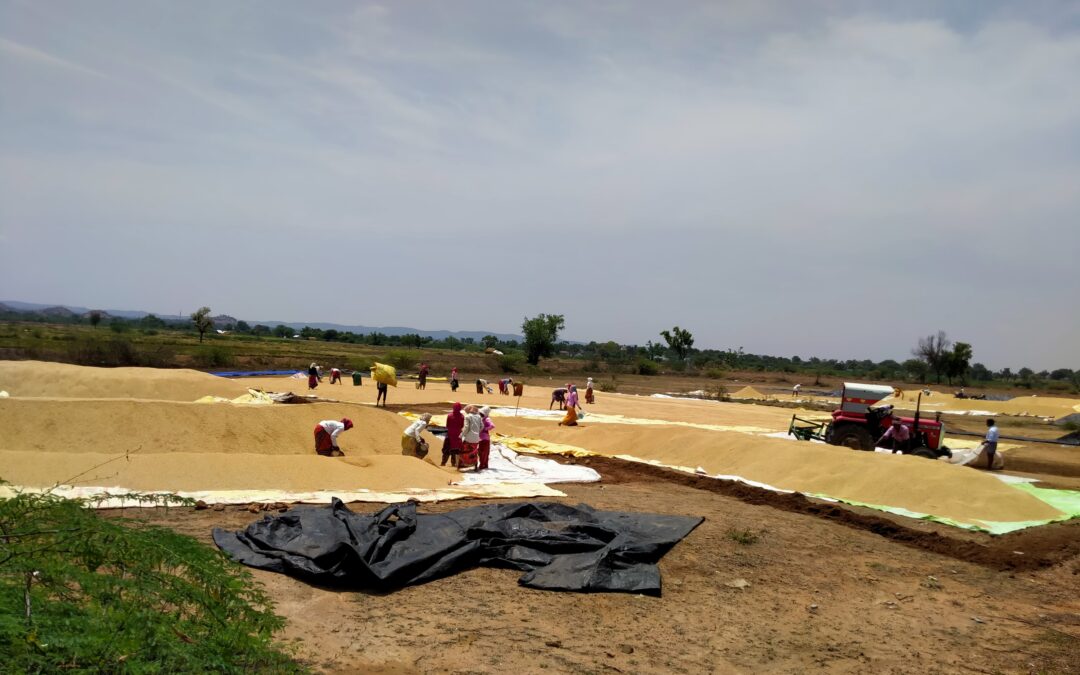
(559,547)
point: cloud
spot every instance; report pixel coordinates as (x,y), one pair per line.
(730,167)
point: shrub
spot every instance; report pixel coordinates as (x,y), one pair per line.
(97,351)
(512,363)
(214,356)
(715,373)
(362,365)
(647,367)
(608,385)
(718,392)
(84,593)
(744,537)
(401,359)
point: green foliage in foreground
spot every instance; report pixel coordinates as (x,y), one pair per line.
(80,592)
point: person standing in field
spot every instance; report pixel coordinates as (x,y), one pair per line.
(412,443)
(589,396)
(422,376)
(326,436)
(453,379)
(452,442)
(484,451)
(990,443)
(470,438)
(313,377)
(382,388)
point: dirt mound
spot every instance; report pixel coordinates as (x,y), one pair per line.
(916,484)
(162,427)
(748,392)
(62,380)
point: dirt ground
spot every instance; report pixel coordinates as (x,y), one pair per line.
(829,589)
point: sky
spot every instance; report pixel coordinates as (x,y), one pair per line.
(830,179)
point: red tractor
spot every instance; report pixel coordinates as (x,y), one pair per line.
(857,425)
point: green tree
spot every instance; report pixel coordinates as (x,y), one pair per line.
(95,318)
(541,334)
(203,322)
(490,341)
(916,370)
(282,331)
(958,362)
(151,321)
(243,327)
(679,341)
(981,373)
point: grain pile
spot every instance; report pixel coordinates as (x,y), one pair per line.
(62,380)
(912,483)
(748,392)
(162,427)
(139,428)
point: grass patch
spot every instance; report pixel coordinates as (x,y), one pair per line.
(83,593)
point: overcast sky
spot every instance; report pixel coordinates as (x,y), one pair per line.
(831,179)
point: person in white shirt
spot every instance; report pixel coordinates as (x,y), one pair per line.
(326,436)
(795,390)
(990,443)
(470,438)
(412,443)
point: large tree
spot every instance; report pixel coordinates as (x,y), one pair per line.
(934,350)
(203,322)
(679,340)
(541,333)
(959,362)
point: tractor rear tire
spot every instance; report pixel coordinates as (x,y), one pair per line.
(852,436)
(923,452)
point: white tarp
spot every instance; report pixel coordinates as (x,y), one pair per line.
(507,466)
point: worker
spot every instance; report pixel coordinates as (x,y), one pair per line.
(422,376)
(898,393)
(572,396)
(453,379)
(558,396)
(326,435)
(898,436)
(335,376)
(795,390)
(382,388)
(484,451)
(313,377)
(589,396)
(505,384)
(470,438)
(452,442)
(412,443)
(990,443)
(571,417)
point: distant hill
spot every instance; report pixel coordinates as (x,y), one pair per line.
(224,319)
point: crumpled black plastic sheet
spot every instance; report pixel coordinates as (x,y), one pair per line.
(559,547)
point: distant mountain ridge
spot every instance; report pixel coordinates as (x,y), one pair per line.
(71,310)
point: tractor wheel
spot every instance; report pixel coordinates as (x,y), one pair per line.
(924,452)
(852,436)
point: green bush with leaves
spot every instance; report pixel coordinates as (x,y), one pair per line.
(647,367)
(214,356)
(80,592)
(514,362)
(401,359)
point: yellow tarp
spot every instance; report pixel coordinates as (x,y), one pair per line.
(380,372)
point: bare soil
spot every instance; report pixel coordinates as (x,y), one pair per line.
(829,589)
